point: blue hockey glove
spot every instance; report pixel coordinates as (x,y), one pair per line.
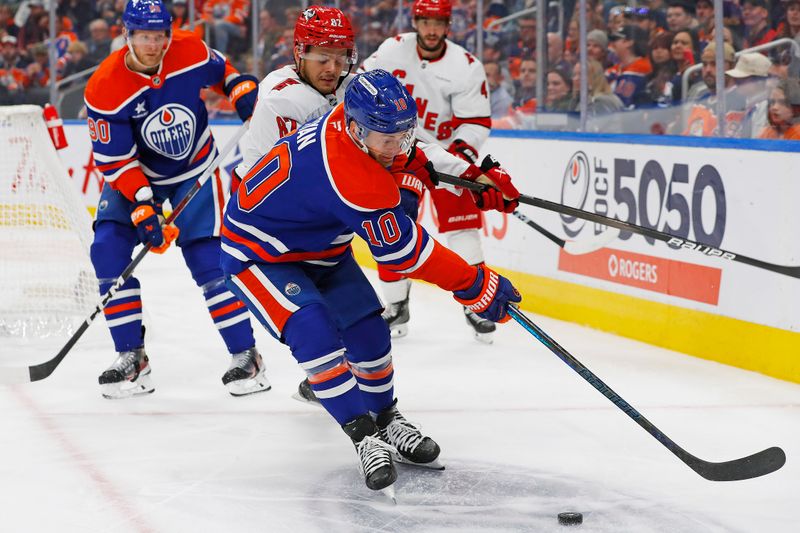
(145,216)
(409,203)
(488,295)
(242,91)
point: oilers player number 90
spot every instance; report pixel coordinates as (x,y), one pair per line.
(99,130)
(255,189)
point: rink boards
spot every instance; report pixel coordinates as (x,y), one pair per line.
(738,196)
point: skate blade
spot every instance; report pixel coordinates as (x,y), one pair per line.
(128,389)
(433,465)
(303,399)
(246,387)
(389,493)
(401,330)
(484,338)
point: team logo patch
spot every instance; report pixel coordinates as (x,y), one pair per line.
(292,289)
(169,131)
(103,205)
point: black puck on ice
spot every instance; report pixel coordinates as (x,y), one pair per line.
(570,519)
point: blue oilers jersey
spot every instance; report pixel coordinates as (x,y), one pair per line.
(156,125)
(307,198)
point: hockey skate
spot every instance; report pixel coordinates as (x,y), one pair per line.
(396,316)
(306,394)
(374,455)
(128,375)
(408,443)
(246,374)
(483,329)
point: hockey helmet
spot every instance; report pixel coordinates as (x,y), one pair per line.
(146,15)
(324,26)
(379,103)
(432,9)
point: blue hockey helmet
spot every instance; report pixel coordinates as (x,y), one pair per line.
(146,15)
(379,103)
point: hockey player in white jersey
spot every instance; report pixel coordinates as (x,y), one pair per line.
(324,53)
(450,89)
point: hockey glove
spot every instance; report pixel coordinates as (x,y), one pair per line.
(488,295)
(463,150)
(147,220)
(418,164)
(501,195)
(242,91)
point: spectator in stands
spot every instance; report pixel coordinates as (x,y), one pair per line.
(751,77)
(790,25)
(616,19)
(705,21)
(226,19)
(525,44)
(659,84)
(601,99)
(99,44)
(684,47)
(597,47)
(555,53)
(628,78)
(644,18)
(269,31)
(680,16)
(7,24)
(784,111)
(559,92)
(77,59)
(180,18)
(525,91)
(757,30)
(703,117)
(31,31)
(707,85)
(13,75)
(79,13)
(498,95)
(372,38)
(39,69)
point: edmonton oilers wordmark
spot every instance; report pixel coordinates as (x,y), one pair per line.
(169,131)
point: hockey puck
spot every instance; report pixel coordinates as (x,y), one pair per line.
(570,519)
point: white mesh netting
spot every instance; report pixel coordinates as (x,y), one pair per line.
(47,283)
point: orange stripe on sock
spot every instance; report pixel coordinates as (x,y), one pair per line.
(227,309)
(329,374)
(374,375)
(122,307)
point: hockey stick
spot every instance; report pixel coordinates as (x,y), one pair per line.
(13,375)
(792,271)
(758,464)
(581,247)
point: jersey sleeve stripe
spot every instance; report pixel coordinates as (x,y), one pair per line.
(402,253)
(423,256)
(108,167)
(103,158)
(115,175)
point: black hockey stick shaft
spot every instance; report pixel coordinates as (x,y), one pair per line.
(792,271)
(43,370)
(758,464)
(557,240)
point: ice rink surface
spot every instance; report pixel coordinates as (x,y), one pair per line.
(523,437)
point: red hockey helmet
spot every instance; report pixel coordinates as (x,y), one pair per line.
(432,9)
(323,26)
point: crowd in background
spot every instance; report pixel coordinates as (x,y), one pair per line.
(638,55)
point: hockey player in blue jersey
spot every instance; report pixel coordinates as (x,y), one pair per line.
(286,253)
(151,141)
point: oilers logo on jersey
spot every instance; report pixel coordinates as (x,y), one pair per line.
(169,131)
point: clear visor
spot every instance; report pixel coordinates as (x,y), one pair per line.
(148,38)
(387,145)
(339,57)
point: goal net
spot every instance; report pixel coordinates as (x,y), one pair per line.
(47,283)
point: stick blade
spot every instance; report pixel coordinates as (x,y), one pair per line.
(756,465)
(587,246)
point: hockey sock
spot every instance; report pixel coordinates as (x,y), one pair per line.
(369,353)
(110,254)
(229,314)
(317,345)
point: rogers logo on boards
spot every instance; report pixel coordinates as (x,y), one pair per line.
(666,276)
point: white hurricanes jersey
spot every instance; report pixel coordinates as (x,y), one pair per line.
(451,92)
(285,102)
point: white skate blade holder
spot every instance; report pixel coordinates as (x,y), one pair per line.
(399,330)
(246,387)
(127,389)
